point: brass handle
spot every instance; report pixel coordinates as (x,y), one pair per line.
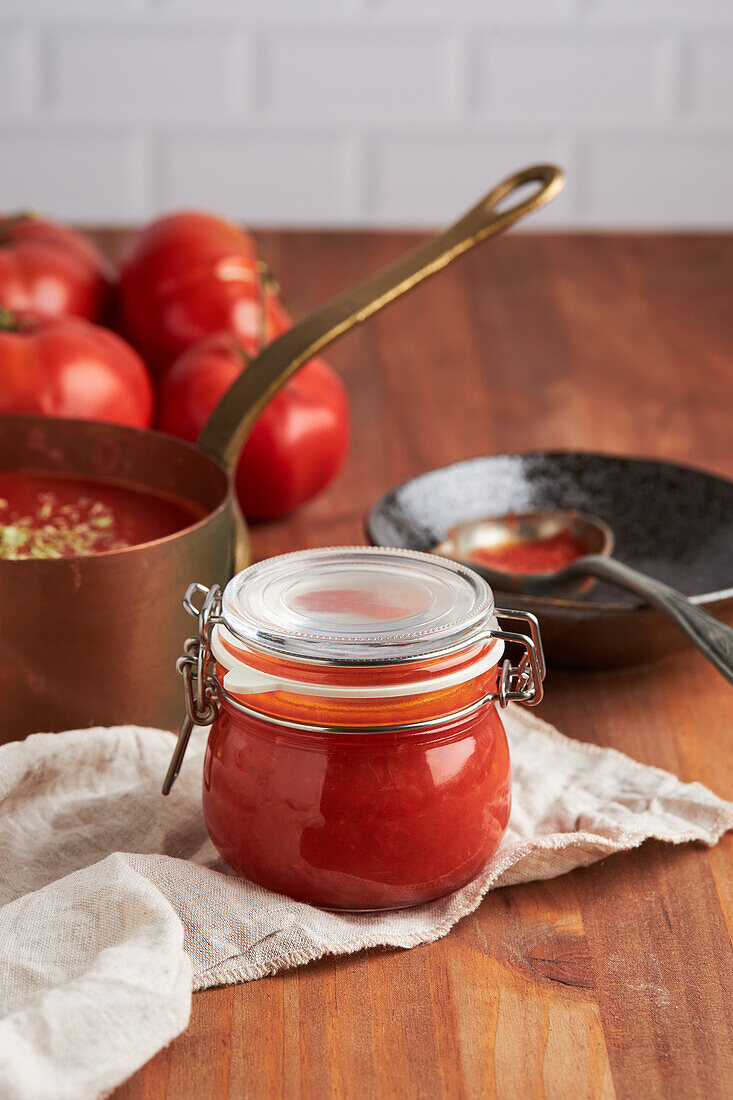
(230,423)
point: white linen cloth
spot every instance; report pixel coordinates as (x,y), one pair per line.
(114,904)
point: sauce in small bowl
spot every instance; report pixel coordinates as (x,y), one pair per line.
(542,555)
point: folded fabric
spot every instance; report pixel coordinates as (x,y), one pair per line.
(114,904)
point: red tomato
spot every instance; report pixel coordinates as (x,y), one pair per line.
(186,276)
(49,268)
(64,366)
(300,440)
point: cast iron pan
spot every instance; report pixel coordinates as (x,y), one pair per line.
(673,522)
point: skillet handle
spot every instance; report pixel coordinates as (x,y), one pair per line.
(232,420)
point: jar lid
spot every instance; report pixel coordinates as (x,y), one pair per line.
(357,605)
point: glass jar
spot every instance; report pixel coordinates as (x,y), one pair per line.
(356,759)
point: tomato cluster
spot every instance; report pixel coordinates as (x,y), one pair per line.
(192,308)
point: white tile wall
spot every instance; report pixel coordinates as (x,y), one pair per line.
(331,73)
(18,72)
(426,179)
(272,177)
(152,75)
(709,73)
(645,181)
(81,175)
(348,112)
(562,76)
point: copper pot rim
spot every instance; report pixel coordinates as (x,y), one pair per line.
(135,433)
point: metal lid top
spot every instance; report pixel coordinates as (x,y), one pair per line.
(356,605)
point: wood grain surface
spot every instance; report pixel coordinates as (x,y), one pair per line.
(615,980)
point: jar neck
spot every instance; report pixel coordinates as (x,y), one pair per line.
(377,695)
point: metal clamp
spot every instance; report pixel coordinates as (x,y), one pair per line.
(522,683)
(199,685)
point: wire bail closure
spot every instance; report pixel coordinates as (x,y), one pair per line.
(521,683)
(199,685)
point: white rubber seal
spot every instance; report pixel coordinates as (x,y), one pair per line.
(240,679)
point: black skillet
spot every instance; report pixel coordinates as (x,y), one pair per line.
(671,521)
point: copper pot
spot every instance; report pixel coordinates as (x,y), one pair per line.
(93,640)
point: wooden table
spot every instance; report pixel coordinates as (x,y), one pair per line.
(615,980)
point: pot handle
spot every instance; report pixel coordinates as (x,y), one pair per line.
(231,421)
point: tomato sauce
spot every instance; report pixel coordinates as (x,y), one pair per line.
(357,759)
(56,516)
(357,821)
(533,555)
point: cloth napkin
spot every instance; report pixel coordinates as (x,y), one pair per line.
(114,904)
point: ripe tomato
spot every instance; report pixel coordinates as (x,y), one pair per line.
(49,268)
(186,276)
(301,438)
(64,366)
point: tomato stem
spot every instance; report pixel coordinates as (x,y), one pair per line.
(266,286)
(8,223)
(11,322)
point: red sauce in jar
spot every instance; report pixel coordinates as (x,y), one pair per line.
(532,555)
(56,516)
(356,759)
(357,821)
